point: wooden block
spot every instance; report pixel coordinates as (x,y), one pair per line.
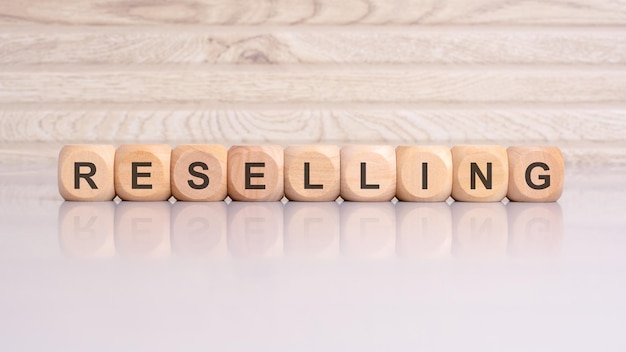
(85,172)
(198,172)
(255,173)
(142,172)
(423,173)
(535,174)
(368,173)
(480,173)
(312,173)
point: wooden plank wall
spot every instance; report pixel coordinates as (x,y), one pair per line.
(316,71)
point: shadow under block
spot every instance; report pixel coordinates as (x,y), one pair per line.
(368,173)
(535,174)
(312,173)
(255,173)
(198,172)
(142,172)
(480,173)
(85,172)
(423,173)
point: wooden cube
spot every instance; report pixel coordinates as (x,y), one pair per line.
(198,172)
(255,173)
(312,173)
(423,173)
(535,174)
(142,172)
(85,172)
(368,173)
(480,173)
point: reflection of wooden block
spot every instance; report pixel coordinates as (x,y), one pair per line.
(424,230)
(424,173)
(368,173)
(198,172)
(312,229)
(368,230)
(142,172)
(86,172)
(312,173)
(535,174)
(255,229)
(199,229)
(255,173)
(86,229)
(142,229)
(480,230)
(535,230)
(481,173)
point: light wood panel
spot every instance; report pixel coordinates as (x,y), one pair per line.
(312,84)
(404,45)
(18,159)
(308,71)
(283,124)
(289,12)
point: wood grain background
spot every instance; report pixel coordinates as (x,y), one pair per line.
(315,71)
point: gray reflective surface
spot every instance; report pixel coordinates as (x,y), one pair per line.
(313,276)
(309,230)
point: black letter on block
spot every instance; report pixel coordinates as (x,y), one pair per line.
(87,176)
(424,175)
(474,170)
(192,172)
(136,175)
(545,178)
(249,175)
(307,178)
(364,184)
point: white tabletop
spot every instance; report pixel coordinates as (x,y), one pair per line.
(312,276)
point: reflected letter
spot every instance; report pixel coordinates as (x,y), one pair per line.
(535,229)
(424,230)
(368,229)
(199,229)
(479,230)
(142,229)
(86,229)
(255,229)
(312,229)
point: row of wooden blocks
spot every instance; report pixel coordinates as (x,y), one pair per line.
(310,173)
